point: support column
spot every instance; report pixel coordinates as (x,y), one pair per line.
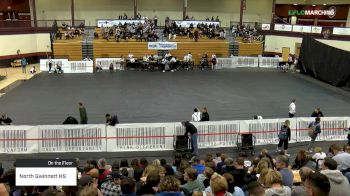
(184,10)
(135,8)
(241,12)
(273,11)
(72,11)
(33,12)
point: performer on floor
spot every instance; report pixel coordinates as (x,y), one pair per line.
(284,137)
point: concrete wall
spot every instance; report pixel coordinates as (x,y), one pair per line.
(53,9)
(276,43)
(27,43)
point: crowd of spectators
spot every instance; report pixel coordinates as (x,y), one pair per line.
(70,32)
(247,32)
(213,175)
(140,31)
(211,31)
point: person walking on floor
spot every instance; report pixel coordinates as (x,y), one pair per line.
(284,137)
(83,114)
(192,130)
(314,130)
(24,64)
(292,109)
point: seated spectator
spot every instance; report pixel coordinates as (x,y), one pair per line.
(301,190)
(99,67)
(138,170)
(169,186)
(239,172)
(5,120)
(282,163)
(342,158)
(231,188)
(206,176)
(319,156)
(197,165)
(217,159)
(127,186)
(228,167)
(275,185)
(112,186)
(152,180)
(58,69)
(32,70)
(339,183)
(219,165)
(103,172)
(301,159)
(192,184)
(125,165)
(317,184)
(218,186)
(256,189)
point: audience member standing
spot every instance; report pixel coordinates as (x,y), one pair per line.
(317,113)
(24,64)
(190,128)
(314,130)
(284,136)
(292,109)
(196,116)
(83,114)
(112,120)
(205,115)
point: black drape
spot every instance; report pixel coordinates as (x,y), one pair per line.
(326,63)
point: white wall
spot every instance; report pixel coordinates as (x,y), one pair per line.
(27,43)
(276,43)
(53,9)
(348,22)
(91,10)
(161,9)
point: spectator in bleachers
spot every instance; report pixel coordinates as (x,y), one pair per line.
(169,186)
(127,186)
(338,182)
(5,120)
(112,120)
(301,159)
(197,165)
(275,185)
(300,190)
(125,165)
(282,163)
(317,184)
(192,184)
(342,158)
(319,156)
(112,186)
(256,189)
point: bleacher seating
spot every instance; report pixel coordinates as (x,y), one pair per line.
(250,49)
(70,49)
(198,49)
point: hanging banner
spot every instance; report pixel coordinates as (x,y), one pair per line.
(162,46)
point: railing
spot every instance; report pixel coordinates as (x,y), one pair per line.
(68,66)
(235,62)
(40,23)
(157,136)
(305,29)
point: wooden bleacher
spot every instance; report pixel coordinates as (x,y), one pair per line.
(198,49)
(113,49)
(249,49)
(68,49)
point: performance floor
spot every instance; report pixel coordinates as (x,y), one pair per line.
(144,97)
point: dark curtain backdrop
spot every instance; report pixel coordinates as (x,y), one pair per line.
(325,63)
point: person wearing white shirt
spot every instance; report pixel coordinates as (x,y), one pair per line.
(196,116)
(319,155)
(292,109)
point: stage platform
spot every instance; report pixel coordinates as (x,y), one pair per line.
(137,96)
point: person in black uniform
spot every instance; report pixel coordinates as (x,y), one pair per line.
(190,128)
(112,120)
(4,120)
